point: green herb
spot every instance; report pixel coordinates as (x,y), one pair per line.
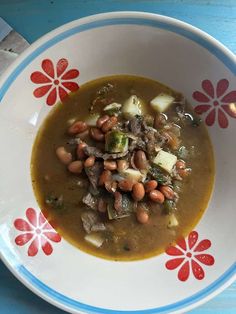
(196,121)
(158,175)
(169,207)
(54,201)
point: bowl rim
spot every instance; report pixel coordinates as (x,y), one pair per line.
(48,40)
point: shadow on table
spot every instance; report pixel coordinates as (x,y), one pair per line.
(16,298)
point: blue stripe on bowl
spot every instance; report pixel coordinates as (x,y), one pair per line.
(8,256)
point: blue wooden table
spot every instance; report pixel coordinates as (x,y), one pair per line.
(34,18)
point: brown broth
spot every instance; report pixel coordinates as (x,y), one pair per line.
(144,240)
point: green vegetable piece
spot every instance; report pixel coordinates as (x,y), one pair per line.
(116,142)
(169,207)
(158,175)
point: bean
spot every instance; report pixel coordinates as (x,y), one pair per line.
(142,216)
(102,206)
(80,150)
(109,124)
(89,162)
(76,166)
(184,172)
(122,165)
(84,135)
(138,191)
(126,185)
(102,120)
(96,134)
(156,196)
(110,165)
(167,191)
(77,127)
(150,185)
(104,177)
(140,160)
(118,201)
(180,164)
(111,186)
(63,155)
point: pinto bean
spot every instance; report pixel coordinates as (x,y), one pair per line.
(138,191)
(180,164)
(76,166)
(110,165)
(142,215)
(104,177)
(63,155)
(140,160)
(118,201)
(102,120)
(109,124)
(80,150)
(77,127)
(167,191)
(96,134)
(122,165)
(126,185)
(156,196)
(150,185)
(159,121)
(89,162)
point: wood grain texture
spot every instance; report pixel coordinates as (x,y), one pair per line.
(33,18)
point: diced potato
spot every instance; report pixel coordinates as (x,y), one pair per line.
(91,120)
(165,160)
(132,174)
(132,107)
(161,102)
(173,222)
(95,239)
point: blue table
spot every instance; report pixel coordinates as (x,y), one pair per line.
(33,18)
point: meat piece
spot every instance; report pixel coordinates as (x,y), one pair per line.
(93,174)
(136,125)
(138,143)
(92,222)
(90,201)
(94,151)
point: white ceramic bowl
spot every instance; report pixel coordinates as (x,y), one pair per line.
(157,47)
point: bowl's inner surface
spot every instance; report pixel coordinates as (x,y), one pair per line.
(126,239)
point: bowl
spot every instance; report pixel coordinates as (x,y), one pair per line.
(174,53)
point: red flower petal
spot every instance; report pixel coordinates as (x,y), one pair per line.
(230,97)
(22,225)
(174,263)
(33,248)
(22,239)
(192,239)
(48,227)
(173,251)
(221,87)
(52,97)
(46,246)
(71,74)
(53,236)
(62,93)
(182,243)
(210,119)
(41,91)
(39,78)
(208,88)
(222,119)
(48,67)
(62,65)
(203,245)
(41,219)
(72,86)
(183,273)
(202,108)
(205,259)
(32,216)
(230,109)
(200,97)
(198,272)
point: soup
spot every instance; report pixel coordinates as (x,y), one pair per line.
(123,167)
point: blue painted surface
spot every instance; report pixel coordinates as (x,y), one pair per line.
(33,19)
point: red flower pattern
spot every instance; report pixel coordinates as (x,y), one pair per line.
(55,81)
(216,102)
(38,231)
(188,255)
